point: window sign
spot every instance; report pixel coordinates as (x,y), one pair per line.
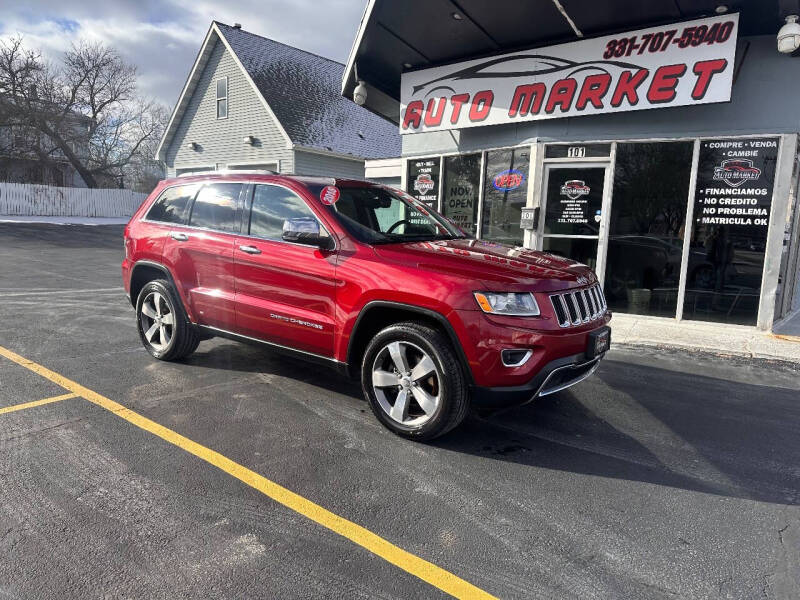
(462,180)
(574,201)
(505,192)
(423,180)
(732,204)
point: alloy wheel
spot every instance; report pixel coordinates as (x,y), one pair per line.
(157,321)
(407,383)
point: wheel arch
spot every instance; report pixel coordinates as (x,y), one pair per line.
(143,272)
(378,314)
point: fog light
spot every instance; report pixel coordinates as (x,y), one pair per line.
(515,357)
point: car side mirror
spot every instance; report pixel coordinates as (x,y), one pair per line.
(306,230)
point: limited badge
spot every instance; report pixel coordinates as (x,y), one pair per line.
(329,195)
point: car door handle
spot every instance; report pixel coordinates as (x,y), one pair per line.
(179,237)
(250,249)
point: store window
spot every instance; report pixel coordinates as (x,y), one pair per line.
(505,192)
(732,205)
(648,215)
(462,179)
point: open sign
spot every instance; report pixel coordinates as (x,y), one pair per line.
(508,180)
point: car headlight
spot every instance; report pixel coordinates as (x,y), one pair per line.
(508,303)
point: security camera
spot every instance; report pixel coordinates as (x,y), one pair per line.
(360,93)
(789,35)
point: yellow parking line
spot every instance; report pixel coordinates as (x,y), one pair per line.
(17,407)
(421,568)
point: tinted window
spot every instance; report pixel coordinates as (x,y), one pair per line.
(272,205)
(215,207)
(171,207)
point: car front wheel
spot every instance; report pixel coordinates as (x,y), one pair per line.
(414,382)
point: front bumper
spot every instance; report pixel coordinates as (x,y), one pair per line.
(555,376)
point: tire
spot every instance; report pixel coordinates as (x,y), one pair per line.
(174,338)
(433,403)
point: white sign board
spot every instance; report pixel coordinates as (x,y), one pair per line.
(672,65)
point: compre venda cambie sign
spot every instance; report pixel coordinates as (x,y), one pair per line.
(672,65)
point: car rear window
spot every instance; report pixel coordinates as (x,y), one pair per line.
(216,207)
(172,206)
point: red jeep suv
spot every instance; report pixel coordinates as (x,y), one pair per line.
(365,278)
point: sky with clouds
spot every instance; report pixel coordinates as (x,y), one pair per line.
(162,37)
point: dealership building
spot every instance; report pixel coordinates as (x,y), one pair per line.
(656,142)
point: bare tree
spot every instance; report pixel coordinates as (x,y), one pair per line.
(85,110)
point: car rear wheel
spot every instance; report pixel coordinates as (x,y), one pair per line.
(414,382)
(162,324)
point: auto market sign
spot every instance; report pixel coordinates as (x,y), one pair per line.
(673,65)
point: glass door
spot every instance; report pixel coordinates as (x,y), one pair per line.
(573,204)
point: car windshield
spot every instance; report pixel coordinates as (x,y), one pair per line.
(381,215)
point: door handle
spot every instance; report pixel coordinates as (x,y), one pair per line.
(179,237)
(250,249)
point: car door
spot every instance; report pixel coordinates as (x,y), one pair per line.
(284,290)
(200,254)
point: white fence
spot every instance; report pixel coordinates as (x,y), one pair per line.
(22,199)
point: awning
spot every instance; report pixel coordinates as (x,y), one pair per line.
(397,36)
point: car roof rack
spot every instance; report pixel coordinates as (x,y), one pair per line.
(230,172)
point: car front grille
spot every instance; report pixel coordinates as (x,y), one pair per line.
(577,307)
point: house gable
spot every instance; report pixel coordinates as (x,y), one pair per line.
(219,143)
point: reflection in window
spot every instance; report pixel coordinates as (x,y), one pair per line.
(215,207)
(580,249)
(505,193)
(648,215)
(171,206)
(272,205)
(462,180)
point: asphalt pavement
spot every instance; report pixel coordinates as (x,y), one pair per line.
(668,474)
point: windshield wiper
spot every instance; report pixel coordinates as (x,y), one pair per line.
(403,238)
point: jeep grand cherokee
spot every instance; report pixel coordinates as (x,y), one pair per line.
(367,279)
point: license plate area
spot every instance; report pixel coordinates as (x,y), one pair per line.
(599,342)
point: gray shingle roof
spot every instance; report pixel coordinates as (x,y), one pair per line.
(303,90)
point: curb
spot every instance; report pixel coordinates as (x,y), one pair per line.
(706,351)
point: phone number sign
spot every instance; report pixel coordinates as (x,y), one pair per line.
(672,65)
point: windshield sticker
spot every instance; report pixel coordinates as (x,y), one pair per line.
(329,195)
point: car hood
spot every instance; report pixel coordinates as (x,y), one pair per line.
(491,263)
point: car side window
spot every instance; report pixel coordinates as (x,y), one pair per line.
(215,207)
(172,206)
(272,206)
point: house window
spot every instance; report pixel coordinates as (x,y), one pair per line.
(222,98)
